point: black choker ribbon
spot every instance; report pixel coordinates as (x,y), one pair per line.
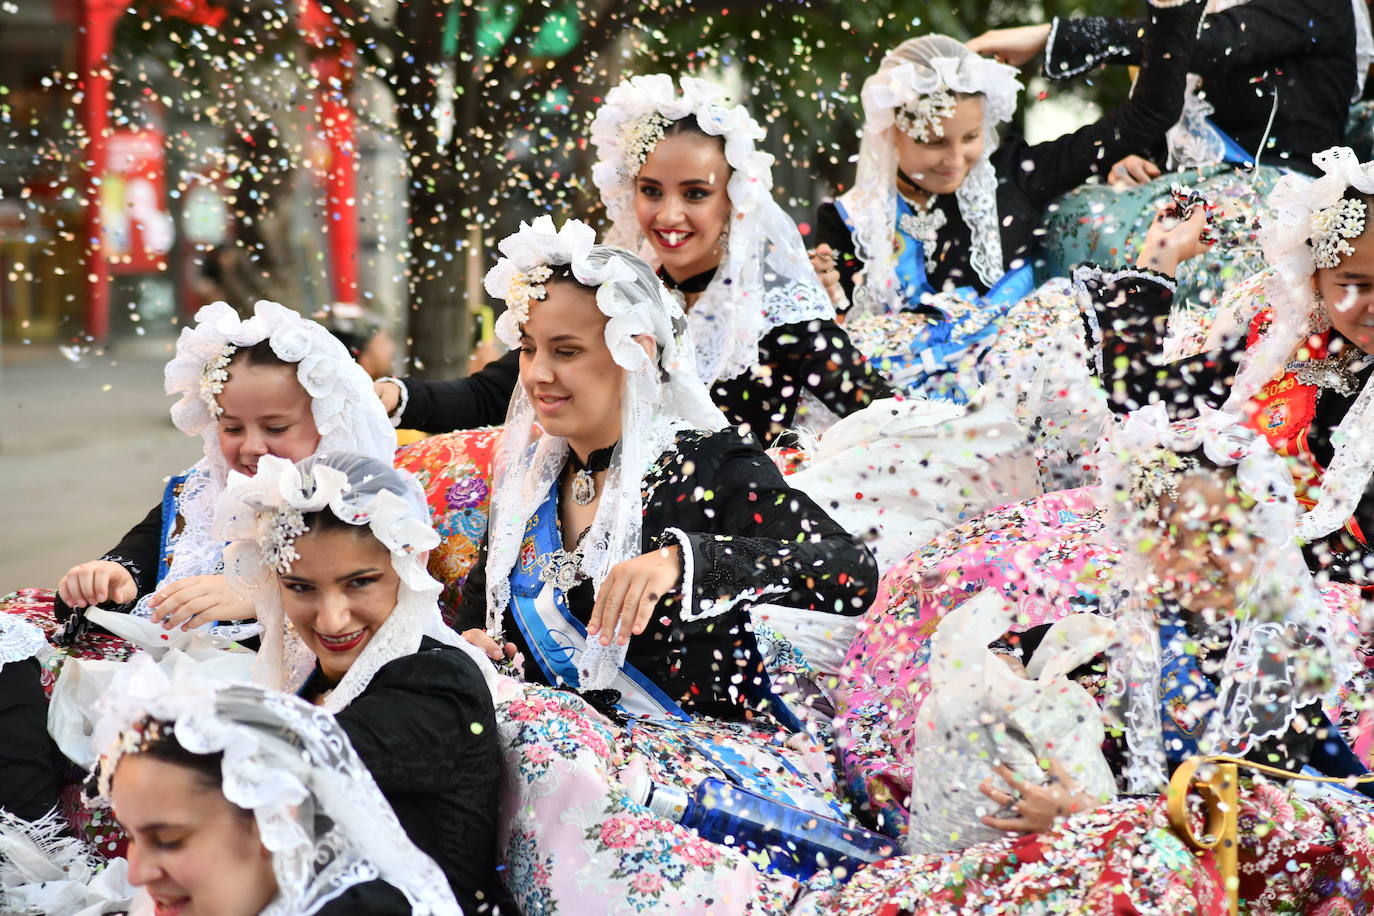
(695,284)
(583,483)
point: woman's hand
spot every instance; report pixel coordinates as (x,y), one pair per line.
(1171,241)
(1037,807)
(631,591)
(196,600)
(1132,171)
(389,393)
(1012,46)
(95,583)
(482,640)
(823,263)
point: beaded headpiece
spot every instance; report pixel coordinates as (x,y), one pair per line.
(923,118)
(1155,476)
(638,137)
(1333,226)
(134,739)
(212,379)
(277,533)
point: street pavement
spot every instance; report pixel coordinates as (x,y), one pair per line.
(85,446)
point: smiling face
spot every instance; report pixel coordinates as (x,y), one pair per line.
(338,593)
(1205,553)
(682,204)
(941,165)
(567,369)
(1347,292)
(266,412)
(189,848)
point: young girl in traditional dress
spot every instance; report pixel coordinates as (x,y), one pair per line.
(274,384)
(332,553)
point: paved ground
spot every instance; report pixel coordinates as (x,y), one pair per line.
(85,445)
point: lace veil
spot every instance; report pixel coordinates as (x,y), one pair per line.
(765,279)
(1296,313)
(662,396)
(318,810)
(1285,649)
(347,414)
(913,70)
(255,517)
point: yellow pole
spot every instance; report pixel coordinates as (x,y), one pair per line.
(1220,805)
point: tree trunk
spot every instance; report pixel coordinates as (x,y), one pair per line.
(440,330)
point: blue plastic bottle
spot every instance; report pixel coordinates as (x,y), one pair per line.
(792,841)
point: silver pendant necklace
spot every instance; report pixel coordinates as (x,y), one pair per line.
(923,224)
(583,487)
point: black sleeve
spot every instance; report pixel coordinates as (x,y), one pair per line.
(1252,34)
(1047,170)
(767,542)
(29,759)
(1126,321)
(472,610)
(481,399)
(139,552)
(824,361)
(831,230)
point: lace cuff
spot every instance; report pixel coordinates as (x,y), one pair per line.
(401,405)
(1090,276)
(1080,44)
(19,640)
(720,573)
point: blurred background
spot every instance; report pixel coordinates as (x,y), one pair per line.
(353,159)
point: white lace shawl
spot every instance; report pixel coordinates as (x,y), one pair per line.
(663,395)
(347,413)
(358,491)
(915,69)
(1285,648)
(765,279)
(1289,293)
(318,810)
(19,640)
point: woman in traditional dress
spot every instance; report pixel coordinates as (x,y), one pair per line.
(1220,650)
(332,553)
(933,241)
(627,545)
(240,800)
(274,384)
(685,188)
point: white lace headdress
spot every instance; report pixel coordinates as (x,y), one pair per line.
(915,83)
(261,516)
(662,395)
(1308,217)
(347,413)
(318,810)
(1285,649)
(765,279)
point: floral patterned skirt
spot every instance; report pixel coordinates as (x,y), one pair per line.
(573,838)
(1107,226)
(1296,856)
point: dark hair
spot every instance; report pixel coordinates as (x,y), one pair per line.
(259,354)
(690,125)
(356,339)
(326,520)
(207,767)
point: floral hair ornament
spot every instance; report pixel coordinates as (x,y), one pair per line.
(538,247)
(638,137)
(923,119)
(1333,227)
(213,378)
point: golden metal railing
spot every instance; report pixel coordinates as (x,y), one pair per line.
(1219,787)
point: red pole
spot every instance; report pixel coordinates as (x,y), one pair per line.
(97,35)
(341,187)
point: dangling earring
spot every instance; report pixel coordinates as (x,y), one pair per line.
(723,241)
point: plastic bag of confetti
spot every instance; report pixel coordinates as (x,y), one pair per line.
(981,712)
